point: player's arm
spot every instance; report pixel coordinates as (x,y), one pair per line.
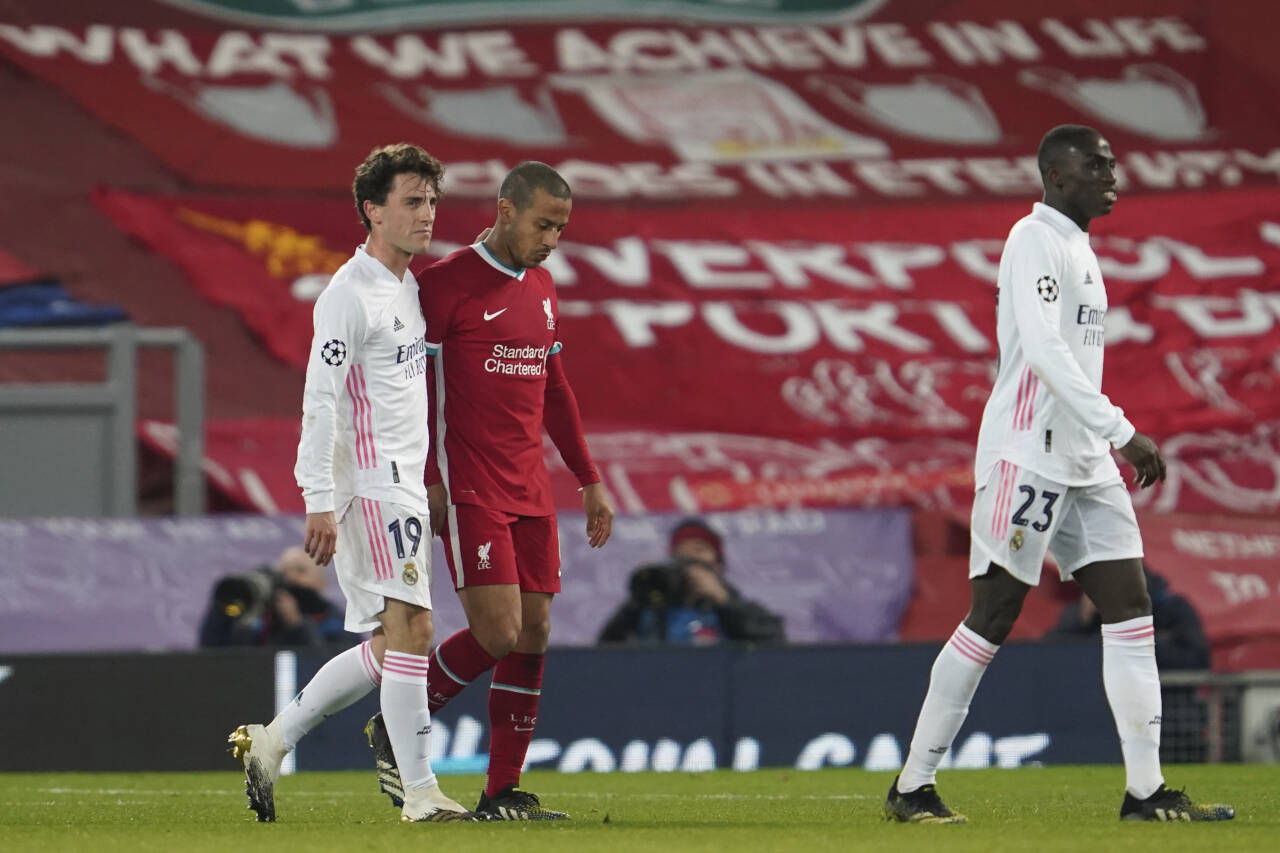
(1047,353)
(339,324)
(437,492)
(563,422)
(1039,330)
(435,298)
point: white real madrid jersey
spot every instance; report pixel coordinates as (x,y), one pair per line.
(364,410)
(1047,412)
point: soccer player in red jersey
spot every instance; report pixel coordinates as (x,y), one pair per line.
(496,381)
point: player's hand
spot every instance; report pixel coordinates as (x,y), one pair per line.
(1141,452)
(483,235)
(599,514)
(437,507)
(321,540)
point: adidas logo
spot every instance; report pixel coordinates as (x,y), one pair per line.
(397,326)
(1088,279)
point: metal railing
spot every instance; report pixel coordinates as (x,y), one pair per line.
(113,406)
(1220,716)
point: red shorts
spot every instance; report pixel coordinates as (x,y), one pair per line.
(485,546)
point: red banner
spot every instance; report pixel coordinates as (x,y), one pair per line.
(857,346)
(907,103)
(14,271)
(1229,568)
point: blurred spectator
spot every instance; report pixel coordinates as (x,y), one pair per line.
(280,605)
(686,598)
(1180,644)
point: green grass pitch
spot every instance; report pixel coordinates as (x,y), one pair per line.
(1034,809)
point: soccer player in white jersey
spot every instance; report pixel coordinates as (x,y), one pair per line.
(496,383)
(1046,480)
(361,465)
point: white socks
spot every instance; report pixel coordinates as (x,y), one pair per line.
(404,710)
(1133,690)
(342,681)
(952,683)
(1129,676)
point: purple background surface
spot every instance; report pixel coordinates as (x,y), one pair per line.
(74,584)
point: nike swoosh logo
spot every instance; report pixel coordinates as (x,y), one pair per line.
(488,316)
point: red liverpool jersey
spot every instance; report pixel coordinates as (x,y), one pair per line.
(491,330)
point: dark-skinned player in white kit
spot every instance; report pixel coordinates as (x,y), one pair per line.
(1046,480)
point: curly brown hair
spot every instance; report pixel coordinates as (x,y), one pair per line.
(377,173)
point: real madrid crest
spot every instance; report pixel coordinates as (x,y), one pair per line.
(410,575)
(1016,542)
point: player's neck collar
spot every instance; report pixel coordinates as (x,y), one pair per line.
(1059,220)
(492,260)
(378,268)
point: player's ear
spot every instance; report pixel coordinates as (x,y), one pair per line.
(506,210)
(373,212)
(1053,177)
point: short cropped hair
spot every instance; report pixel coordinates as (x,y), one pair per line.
(520,183)
(377,173)
(1056,142)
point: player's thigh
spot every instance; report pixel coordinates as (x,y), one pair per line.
(478,546)
(537,547)
(1118,588)
(407,627)
(493,613)
(1099,525)
(383,553)
(1015,515)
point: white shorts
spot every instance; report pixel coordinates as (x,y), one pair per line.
(1018,516)
(384,551)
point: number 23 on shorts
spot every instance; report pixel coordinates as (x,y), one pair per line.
(1045,520)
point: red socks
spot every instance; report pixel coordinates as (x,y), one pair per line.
(513,711)
(513,699)
(454,664)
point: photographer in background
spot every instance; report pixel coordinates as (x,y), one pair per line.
(686,599)
(282,605)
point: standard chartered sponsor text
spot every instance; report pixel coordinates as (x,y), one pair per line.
(516,361)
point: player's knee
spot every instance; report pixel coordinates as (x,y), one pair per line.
(535,636)
(1135,605)
(420,632)
(421,636)
(993,623)
(378,644)
(993,630)
(498,637)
